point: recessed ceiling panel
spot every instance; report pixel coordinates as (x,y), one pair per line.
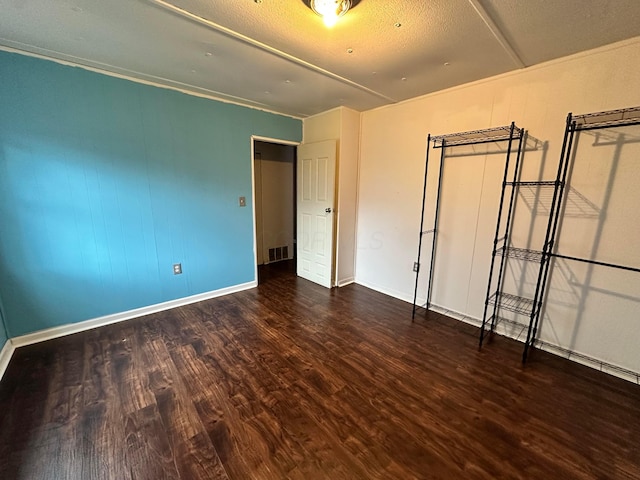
(541,30)
(395,39)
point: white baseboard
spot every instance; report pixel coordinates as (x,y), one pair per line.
(63,330)
(345,282)
(5,356)
(385,291)
(520,334)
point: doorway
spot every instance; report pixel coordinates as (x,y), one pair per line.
(274,166)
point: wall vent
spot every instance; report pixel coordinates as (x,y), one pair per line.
(278,253)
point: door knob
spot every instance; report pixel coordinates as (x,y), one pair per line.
(327,210)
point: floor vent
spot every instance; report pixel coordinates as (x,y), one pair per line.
(278,253)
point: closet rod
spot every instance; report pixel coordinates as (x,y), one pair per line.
(595,262)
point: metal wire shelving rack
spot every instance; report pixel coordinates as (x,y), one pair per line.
(511,134)
(497,300)
(555,194)
(574,124)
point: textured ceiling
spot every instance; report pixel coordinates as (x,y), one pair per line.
(278,55)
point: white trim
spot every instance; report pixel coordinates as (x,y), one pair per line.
(337,203)
(385,291)
(323,113)
(133,76)
(277,141)
(253,208)
(497,33)
(591,362)
(511,73)
(358,170)
(512,333)
(63,330)
(501,329)
(346,281)
(5,356)
(266,48)
(461,317)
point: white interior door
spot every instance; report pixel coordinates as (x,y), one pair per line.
(315,206)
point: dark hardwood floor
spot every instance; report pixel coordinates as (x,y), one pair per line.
(291,380)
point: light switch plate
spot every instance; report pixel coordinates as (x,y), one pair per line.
(242,201)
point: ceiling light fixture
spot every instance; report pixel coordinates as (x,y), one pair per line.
(330,10)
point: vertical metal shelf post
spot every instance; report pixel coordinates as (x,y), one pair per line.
(507,229)
(549,240)
(435,226)
(490,135)
(505,237)
(422,233)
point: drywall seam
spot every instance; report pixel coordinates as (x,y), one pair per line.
(475,233)
(63,330)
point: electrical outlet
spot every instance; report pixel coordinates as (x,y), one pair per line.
(416,267)
(177,268)
(242,201)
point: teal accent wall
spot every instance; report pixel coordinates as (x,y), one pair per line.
(3,329)
(106,183)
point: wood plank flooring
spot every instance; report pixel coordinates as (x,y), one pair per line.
(293,381)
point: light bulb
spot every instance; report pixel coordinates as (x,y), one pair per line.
(330,10)
(330,19)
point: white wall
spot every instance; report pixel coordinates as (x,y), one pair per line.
(324,126)
(274,184)
(341,124)
(594,311)
(348,153)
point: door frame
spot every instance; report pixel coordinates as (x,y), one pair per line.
(277,141)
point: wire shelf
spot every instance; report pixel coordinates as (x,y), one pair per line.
(502,320)
(545,183)
(520,254)
(540,200)
(512,323)
(496,134)
(610,118)
(513,303)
